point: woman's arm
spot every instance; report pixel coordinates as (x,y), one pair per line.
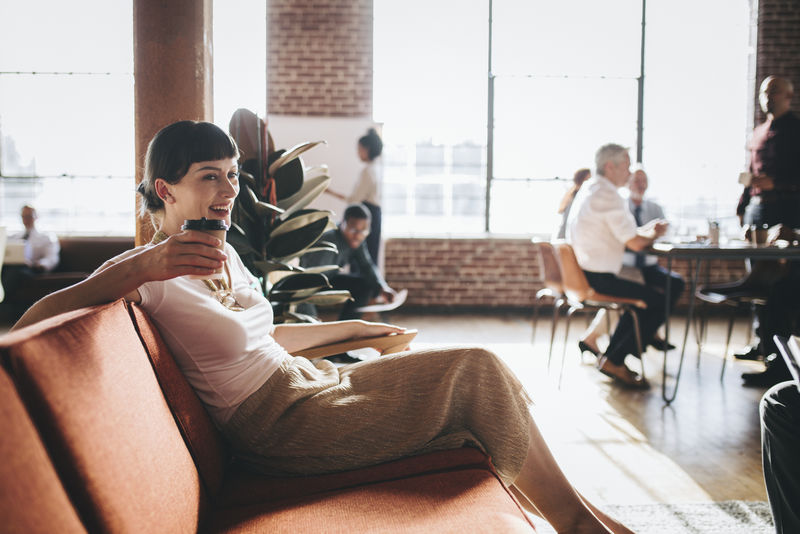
(295,337)
(188,252)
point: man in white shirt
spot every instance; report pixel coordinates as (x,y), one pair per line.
(41,248)
(600,228)
(645,210)
(41,255)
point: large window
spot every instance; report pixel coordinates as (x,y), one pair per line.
(563,80)
(67,106)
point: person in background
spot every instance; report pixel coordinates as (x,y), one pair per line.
(600,227)
(286,415)
(772,198)
(358,272)
(580,176)
(41,253)
(41,248)
(367,190)
(645,210)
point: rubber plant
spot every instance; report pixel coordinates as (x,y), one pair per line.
(271,224)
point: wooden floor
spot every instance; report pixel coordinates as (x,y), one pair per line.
(627,447)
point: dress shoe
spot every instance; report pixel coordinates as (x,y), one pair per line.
(621,374)
(775,373)
(661,345)
(748,353)
(585,347)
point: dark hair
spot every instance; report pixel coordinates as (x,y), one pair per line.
(372,142)
(173,150)
(581,175)
(357,211)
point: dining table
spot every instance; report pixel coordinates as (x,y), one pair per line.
(696,253)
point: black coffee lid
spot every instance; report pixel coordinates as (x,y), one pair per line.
(204,224)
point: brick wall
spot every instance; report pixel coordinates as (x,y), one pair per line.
(319,58)
(778,45)
(488,273)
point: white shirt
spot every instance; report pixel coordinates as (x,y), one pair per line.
(599,226)
(650,211)
(41,248)
(367,187)
(225,355)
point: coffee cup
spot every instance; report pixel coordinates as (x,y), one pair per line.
(215,227)
(758,234)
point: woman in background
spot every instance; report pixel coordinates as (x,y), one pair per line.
(581,175)
(367,188)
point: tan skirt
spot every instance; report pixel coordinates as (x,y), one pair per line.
(314,418)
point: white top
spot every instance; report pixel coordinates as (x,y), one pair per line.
(599,225)
(650,211)
(367,187)
(41,248)
(225,355)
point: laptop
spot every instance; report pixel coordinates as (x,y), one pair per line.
(790,350)
(15,252)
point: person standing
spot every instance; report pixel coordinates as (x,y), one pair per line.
(367,189)
(578,179)
(600,228)
(773,198)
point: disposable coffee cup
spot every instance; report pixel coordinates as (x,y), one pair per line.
(215,227)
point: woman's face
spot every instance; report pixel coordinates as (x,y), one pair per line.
(208,189)
(363,152)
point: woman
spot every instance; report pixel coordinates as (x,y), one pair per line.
(367,189)
(283,414)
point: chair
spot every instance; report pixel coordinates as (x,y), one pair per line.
(580,295)
(735,295)
(553,288)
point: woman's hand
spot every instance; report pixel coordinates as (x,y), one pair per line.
(189,252)
(367,329)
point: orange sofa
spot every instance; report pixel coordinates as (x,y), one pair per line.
(101,433)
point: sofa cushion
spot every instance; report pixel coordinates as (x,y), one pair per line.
(92,393)
(469,500)
(32,498)
(201,436)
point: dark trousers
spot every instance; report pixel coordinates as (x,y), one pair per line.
(656,277)
(374,238)
(623,340)
(780,447)
(359,290)
(781,314)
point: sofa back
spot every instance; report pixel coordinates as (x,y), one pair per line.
(32,499)
(91,392)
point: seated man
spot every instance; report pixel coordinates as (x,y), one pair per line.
(359,275)
(645,210)
(600,228)
(41,250)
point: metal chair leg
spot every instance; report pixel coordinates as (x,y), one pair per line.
(727,343)
(556,313)
(566,339)
(638,338)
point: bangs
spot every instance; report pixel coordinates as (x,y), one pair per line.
(209,142)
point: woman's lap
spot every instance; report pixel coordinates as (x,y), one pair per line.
(320,418)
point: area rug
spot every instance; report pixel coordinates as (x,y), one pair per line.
(726,517)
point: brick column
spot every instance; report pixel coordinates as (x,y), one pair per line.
(778,48)
(319,58)
(173,72)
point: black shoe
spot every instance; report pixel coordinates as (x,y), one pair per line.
(343,358)
(774,374)
(661,345)
(586,348)
(749,353)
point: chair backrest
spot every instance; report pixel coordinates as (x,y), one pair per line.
(576,287)
(552,271)
(2,256)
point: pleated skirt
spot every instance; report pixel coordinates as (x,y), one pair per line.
(315,418)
